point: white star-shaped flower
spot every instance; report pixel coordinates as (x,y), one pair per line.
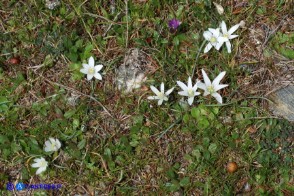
(91,70)
(52,145)
(41,164)
(228,34)
(161,96)
(211,87)
(188,90)
(214,39)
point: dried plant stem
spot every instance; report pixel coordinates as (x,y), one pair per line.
(127,33)
(78,92)
(103,163)
(85,26)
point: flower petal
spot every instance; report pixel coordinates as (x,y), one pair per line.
(224,27)
(160,101)
(98,68)
(195,87)
(58,144)
(169,91)
(219,45)
(154,90)
(48,149)
(37,160)
(233,29)
(91,62)
(205,93)
(207,48)
(183,93)
(98,76)
(196,93)
(202,86)
(207,35)
(233,36)
(205,78)
(152,97)
(190,100)
(37,164)
(52,140)
(182,85)
(228,44)
(220,86)
(48,143)
(90,76)
(85,65)
(84,71)
(217,97)
(162,87)
(217,80)
(40,170)
(222,39)
(189,82)
(215,32)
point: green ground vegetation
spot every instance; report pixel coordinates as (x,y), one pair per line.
(124,144)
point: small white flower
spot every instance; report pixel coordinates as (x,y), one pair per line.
(228,34)
(211,88)
(214,38)
(161,96)
(188,91)
(40,163)
(52,145)
(91,70)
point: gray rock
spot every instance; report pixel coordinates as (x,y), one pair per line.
(283,102)
(132,73)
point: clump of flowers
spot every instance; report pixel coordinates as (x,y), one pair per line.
(190,90)
(216,38)
(50,145)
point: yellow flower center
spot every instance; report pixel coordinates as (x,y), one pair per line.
(91,71)
(53,145)
(190,93)
(226,35)
(43,164)
(213,39)
(161,95)
(210,89)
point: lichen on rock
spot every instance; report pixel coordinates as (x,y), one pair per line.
(132,72)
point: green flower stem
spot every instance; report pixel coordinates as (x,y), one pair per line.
(92,87)
(197,57)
